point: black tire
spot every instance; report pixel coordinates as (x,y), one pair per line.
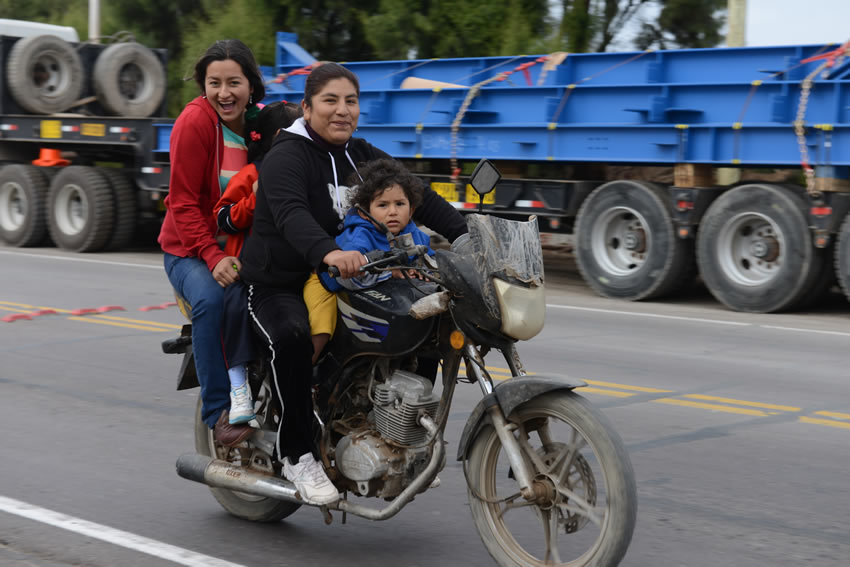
(591,461)
(626,245)
(125,205)
(129,80)
(23,195)
(842,257)
(80,210)
(239,504)
(755,252)
(44,74)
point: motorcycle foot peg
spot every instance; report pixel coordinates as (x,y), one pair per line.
(326,513)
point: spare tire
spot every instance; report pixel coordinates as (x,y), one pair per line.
(44,74)
(129,80)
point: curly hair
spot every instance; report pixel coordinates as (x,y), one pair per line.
(260,131)
(381,174)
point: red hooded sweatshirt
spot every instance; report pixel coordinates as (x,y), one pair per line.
(197,150)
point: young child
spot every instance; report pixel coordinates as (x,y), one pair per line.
(235,214)
(390,193)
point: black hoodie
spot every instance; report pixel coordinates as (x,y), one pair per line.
(302,198)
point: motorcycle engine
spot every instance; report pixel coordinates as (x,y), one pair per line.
(392,458)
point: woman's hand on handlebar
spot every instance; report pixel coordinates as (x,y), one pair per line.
(348,262)
(226,271)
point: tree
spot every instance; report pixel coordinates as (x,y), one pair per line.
(684,23)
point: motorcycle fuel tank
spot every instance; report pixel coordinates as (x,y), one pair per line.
(376,320)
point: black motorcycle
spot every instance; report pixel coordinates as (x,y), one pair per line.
(534,452)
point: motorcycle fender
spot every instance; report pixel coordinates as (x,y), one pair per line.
(187,377)
(508,395)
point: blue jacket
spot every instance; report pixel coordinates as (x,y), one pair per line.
(361,235)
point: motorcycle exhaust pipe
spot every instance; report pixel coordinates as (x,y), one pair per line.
(221,474)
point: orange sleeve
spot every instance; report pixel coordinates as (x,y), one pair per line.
(240,194)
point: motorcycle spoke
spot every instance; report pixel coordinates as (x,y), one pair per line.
(510,503)
(577,442)
(580,506)
(549,519)
(529,451)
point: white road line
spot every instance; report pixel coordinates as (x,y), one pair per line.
(655,315)
(111,535)
(89,260)
(798,330)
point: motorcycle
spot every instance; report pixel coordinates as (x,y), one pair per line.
(549,480)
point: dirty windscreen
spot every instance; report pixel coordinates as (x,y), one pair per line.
(507,249)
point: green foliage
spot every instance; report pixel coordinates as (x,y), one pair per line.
(226,21)
(684,23)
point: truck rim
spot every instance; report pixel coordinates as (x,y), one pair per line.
(750,249)
(50,74)
(71,210)
(13,206)
(620,241)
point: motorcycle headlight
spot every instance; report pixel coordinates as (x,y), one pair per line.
(523,309)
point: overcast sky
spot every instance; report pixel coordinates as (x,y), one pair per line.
(788,22)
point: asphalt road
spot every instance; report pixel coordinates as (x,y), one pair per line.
(737,425)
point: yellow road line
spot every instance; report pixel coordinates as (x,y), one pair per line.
(116,324)
(13,309)
(627,387)
(827,422)
(742,402)
(834,414)
(713,407)
(15,304)
(614,393)
(142,321)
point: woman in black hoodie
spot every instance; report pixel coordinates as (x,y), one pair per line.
(301,203)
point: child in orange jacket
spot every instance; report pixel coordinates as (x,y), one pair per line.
(235,214)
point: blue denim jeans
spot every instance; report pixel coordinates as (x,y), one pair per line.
(192,279)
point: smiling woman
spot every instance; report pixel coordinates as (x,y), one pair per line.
(206,149)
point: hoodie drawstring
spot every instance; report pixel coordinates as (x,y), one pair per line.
(336,180)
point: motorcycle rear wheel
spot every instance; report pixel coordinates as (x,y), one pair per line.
(583,480)
(239,504)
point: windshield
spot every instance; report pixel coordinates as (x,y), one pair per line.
(508,250)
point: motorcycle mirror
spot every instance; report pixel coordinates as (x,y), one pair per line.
(484,178)
(381,226)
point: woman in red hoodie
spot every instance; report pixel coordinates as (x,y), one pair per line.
(206,149)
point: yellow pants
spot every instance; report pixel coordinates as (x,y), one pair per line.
(321,305)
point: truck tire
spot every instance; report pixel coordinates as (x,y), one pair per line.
(626,245)
(754,249)
(23,192)
(80,210)
(129,80)
(44,74)
(125,206)
(842,257)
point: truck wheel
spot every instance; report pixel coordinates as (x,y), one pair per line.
(626,244)
(44,74)
(125,207)
(129,80)
(80,210)
(754,249)
(842,257)
(23,191)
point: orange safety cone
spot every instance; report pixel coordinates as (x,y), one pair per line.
(50,158)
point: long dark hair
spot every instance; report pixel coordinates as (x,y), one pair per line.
(260,131)
(237,51)
(324,73)
(378,176)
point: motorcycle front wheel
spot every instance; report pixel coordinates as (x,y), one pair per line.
(248,455)
(585,502)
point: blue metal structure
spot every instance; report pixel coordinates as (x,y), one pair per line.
(720,106)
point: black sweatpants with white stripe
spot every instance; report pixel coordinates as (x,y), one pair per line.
(282,319)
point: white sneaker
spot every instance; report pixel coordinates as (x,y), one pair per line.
(310,480)
(241,406)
